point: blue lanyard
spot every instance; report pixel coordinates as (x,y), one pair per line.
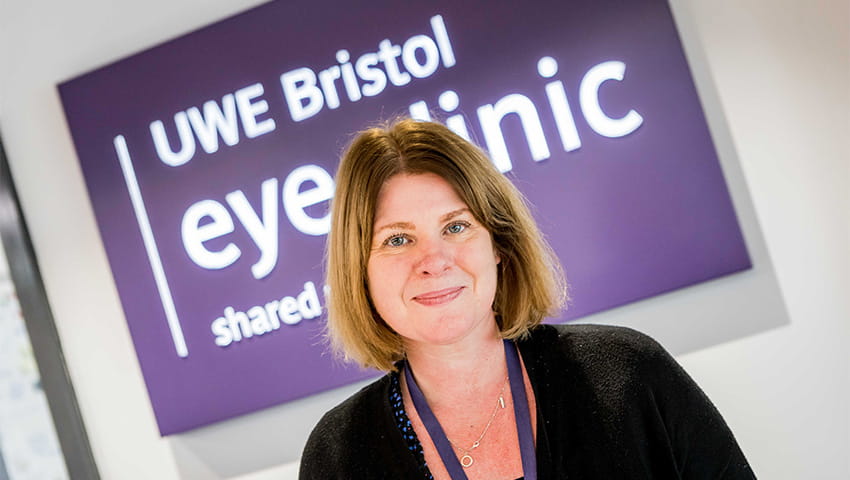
(521,414)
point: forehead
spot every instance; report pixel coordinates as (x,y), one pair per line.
(407,196)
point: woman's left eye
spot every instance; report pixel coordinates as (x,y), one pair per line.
(457,227)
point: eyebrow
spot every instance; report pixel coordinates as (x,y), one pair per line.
(409,226)
(396,226)
(453,214)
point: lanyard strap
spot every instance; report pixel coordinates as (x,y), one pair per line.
(521,414)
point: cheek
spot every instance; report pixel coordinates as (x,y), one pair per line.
(485,266)
(386,286)
(383,279)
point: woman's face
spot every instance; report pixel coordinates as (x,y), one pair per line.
(432,269)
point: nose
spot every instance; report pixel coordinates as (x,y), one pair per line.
(435,257)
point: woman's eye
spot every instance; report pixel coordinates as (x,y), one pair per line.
(456,228)
(396,241)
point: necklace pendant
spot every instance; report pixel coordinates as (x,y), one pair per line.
(475,445)
(466,461)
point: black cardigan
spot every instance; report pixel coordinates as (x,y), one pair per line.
(611,403)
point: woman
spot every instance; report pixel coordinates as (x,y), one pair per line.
(439,276)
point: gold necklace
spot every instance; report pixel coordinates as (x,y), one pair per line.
(466,460)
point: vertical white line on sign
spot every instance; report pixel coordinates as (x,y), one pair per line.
(150,246)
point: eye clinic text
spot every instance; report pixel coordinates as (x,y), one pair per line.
(301,194)
(210,219)
(208,226)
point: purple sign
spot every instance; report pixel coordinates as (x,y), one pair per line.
(209,163)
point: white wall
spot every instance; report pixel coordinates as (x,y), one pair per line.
(782,72)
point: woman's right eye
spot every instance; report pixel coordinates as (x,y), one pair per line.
(396,241)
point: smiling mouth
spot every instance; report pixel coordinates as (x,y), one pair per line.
(438,297)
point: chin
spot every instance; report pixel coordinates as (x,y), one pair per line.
(447,331)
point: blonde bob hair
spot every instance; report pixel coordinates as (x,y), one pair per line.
(530,285)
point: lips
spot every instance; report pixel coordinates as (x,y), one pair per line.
(438,297)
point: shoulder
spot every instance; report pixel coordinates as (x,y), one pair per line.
(599,343)
(347,432)
(614,361)
(624,382)
(619,368)
(346,419)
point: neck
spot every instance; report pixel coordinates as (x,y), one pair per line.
(447,373)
